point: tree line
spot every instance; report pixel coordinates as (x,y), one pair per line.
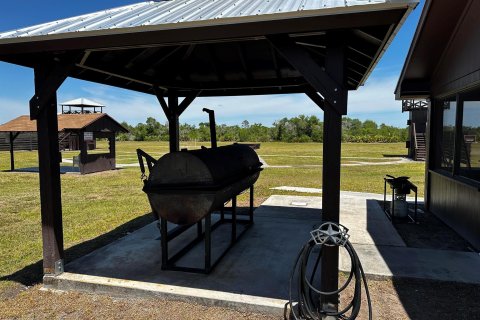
(297,129)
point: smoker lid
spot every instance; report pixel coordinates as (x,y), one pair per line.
(204,167)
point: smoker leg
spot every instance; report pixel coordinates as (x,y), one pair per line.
(199,229)
(208,243)
(164,240)
(251,204)
(416,205)
(385,195)
(234,219)
(392,213)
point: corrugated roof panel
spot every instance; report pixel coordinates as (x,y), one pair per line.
(82,102)
(175,11)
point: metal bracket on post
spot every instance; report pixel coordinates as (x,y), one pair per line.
(59,267)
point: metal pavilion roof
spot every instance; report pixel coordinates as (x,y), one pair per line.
(82,102)
(166,12)
(215,47)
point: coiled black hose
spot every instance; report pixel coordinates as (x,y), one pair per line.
(309,306)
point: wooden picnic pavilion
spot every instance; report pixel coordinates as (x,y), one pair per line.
(75,132)
(188,49)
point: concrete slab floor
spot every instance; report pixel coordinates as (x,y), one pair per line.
(255,272)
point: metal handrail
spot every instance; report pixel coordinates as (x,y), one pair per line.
(64,136)
(415,136)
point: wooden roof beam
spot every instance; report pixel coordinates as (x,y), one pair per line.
(313,73)
(316,98)
(243,61)
(58,72)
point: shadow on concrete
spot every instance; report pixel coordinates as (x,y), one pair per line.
(259,264)
(33,274)
(423,298)
(63,170)
(427,299)
(394,155)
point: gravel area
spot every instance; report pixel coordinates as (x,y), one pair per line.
(37,304)
(391,298)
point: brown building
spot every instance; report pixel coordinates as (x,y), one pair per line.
(75,132)
(443,66)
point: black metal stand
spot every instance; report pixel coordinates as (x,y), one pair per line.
(390,212)
(170,263)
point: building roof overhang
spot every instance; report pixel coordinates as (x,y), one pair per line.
(434,32)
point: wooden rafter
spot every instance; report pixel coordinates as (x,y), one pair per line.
(313,95)
(186,102)
(217,69)
(313,73)
(275,62)
(243,61)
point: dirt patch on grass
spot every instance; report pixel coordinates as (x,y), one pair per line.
(9,290)
(391,299)
(37,304)
(418,299)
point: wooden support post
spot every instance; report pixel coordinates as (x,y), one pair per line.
(111,146)
(430,150)
(173,122)
(12,156)
(83,152)
(330,82)
(172,111)
(49,168)
(332,140)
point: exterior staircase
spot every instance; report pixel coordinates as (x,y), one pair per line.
(420,147)
(63,140)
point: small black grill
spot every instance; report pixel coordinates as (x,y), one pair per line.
(399,209)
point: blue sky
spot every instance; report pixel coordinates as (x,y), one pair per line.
(374,101)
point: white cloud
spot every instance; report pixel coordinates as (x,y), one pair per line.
(377,96)
(373,101)
(12,108)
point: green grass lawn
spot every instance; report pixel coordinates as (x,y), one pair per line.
(99,203)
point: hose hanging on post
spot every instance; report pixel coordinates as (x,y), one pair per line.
(309,297)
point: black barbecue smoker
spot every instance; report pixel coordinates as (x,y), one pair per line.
(186,187)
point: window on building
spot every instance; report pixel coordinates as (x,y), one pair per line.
(447,151)
(470,131)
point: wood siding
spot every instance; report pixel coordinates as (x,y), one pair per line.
(459,67)
(457,204)
(24,141)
